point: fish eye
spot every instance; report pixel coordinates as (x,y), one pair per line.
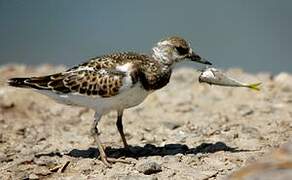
(182,50)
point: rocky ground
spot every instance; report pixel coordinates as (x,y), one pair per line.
(184,131)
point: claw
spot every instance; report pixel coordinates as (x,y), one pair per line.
(106,162)
(109,161)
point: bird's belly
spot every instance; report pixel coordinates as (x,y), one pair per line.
(124,100)
(133,97)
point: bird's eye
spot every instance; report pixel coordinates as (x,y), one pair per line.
(182,50)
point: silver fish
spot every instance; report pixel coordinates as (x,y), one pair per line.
(217,77)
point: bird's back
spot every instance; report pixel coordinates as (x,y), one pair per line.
(105,76)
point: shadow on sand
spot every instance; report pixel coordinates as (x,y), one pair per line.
(152,150)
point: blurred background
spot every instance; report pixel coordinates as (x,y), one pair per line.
(255,35)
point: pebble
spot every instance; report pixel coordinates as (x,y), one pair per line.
(41,170)
(46,161)
(275,166)
(148,167)
(33,176)
(284,79)
(245,110)
(85,164)
(171,125)
(5,101)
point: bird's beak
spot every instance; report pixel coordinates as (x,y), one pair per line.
(194,57)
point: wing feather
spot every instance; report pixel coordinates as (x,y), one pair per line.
(104,82)
(104,76)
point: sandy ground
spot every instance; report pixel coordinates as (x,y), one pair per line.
(185,131)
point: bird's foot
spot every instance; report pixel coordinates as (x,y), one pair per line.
(106,162)
(109,161)
(114,160)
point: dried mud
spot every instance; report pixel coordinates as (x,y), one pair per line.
(186,130)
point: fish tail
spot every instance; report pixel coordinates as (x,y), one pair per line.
(254,86)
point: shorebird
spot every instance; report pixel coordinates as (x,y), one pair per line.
(113,82)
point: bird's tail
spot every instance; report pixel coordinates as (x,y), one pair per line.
(17,82)
(33,82)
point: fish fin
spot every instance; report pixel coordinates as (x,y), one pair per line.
(254,86)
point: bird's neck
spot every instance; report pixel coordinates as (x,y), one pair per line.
(162,58)
(156,74)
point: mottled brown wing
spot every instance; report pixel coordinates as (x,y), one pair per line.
(105,83)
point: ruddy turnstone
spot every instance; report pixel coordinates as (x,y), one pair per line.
(115,81)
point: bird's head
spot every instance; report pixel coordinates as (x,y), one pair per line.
(175,49)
